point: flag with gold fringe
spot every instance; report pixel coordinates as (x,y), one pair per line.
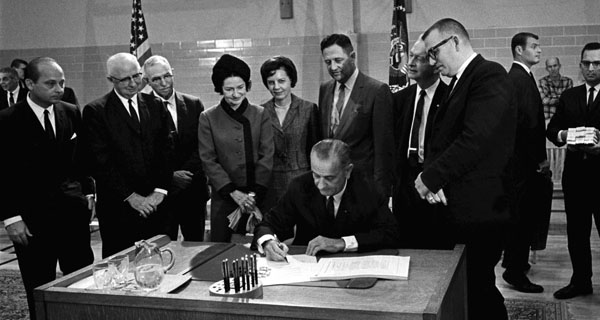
(398,48)
(139,45)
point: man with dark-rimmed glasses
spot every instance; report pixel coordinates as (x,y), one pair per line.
(127,136)
(580,107)
(468,154)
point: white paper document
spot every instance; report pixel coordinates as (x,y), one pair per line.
(383,267)
(298,268)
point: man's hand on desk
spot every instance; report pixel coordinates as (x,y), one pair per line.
(325,244)
(275,250)
(18,232)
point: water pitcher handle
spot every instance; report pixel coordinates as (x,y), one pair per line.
(172,260)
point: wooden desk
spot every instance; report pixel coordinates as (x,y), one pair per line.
(435,289)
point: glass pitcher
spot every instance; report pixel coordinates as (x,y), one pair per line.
(149,269)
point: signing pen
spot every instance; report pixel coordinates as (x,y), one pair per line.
(279,244)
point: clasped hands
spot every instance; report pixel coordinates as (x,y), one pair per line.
(145,205)
(426,194)
(243,200)
(276,251)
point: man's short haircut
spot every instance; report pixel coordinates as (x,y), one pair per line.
(33,71)
(330,149)
(153,60)
(17,62)
(279,62)
(117,60)
(448,25)
(11,71)
(520,39)
(341,40)
(557,60)
(590,46)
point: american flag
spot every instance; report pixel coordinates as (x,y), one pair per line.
(139,43)
(398,47)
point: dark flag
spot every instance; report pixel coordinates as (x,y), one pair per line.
(398,48)
(139,44)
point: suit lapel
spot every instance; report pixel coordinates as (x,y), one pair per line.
(350,109)
(270,107)
(182,111)
(328,103)
(60,119)
(120,112)
(440,91)
(291,114)
(468,70)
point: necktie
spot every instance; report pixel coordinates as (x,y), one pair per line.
(48,126)
(414,136)
(532,77)
(337,113)
(590,98)
(451,85)
(330,208)
(133,114)
(12,99)
(172,126)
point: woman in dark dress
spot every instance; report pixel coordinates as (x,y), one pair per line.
(236,147)
(295,124)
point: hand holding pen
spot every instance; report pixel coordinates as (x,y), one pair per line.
(275,250)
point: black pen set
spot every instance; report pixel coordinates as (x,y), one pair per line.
(240,278)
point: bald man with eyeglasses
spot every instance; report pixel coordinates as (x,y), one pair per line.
(126,133)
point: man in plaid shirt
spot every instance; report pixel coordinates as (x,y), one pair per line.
(551,87)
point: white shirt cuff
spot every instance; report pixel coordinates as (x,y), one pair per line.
(163,191)
(262,240)
(351,243)
(12,220)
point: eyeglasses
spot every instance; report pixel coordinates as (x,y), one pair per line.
(587,64)
(158,79)
(433,52)
(136,77)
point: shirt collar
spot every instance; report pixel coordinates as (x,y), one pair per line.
(15,92)
(37,109)
(431,90)
(125,102)
(596,89)
(337,198)
(523,65)
(350,82)
(464,66)
(171,99)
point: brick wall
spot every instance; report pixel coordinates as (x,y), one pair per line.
(85,66)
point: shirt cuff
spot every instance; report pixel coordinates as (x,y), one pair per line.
(163,191)
(351,244)
(262,240)
(12,220)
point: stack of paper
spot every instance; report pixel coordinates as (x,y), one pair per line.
(581,135)
(383,267)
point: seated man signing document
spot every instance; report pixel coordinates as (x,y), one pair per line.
(332,208)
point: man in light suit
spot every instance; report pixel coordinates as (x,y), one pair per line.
(529,160)
(186,204)
(580,106)
(333,209)
(12,92)
(465,169)
(362,117)
(44,209)
(414,111)
(127,140)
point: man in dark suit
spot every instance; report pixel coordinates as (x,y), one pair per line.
(414,110)
(188,193)
(363,117)
(12,92)
(127,137)
(465,169)
(19,65)
(332,208)
(529,160)
(45,212)
(577,107)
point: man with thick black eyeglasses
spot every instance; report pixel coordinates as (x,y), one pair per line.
(464,174)
(580,107)
(188,193)
(127,136)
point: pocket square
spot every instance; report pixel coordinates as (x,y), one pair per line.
(74,136)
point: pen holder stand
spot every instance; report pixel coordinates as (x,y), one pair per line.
(218,289)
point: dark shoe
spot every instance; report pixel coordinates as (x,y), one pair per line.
(572,291)
(520,282)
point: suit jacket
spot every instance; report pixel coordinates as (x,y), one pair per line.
(530,143)
(404,108)
(572,112)
(363,213)
(4,101)
(38,174)
(184,142)
(472,139)
(365,125)
(221,145)
(123,158)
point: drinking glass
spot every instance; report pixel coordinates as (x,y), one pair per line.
(103,275)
